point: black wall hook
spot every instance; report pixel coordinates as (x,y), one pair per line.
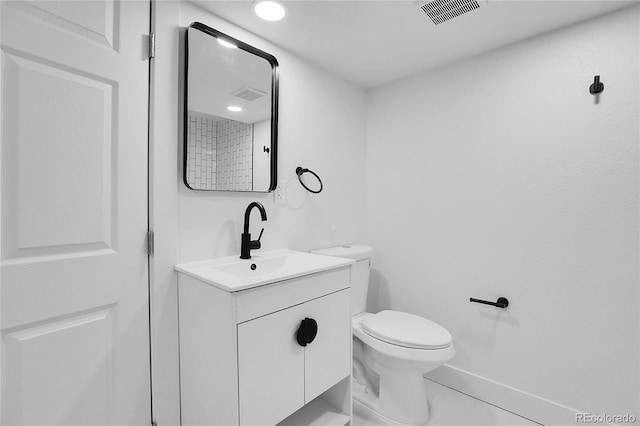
(597,86)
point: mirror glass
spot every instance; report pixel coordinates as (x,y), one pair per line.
(231,104)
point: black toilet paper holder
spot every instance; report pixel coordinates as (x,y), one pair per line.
(502,302)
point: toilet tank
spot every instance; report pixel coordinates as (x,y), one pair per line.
(359,271)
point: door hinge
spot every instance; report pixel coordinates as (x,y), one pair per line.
(150,244)
(152,45)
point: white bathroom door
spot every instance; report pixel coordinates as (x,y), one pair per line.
(74,289)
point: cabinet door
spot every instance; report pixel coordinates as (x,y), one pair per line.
(270,367)
(328,357)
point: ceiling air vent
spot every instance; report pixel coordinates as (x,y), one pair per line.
(444,10)
(249,93)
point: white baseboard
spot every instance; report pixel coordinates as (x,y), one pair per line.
(532,407)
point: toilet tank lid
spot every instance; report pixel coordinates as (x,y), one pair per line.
(349,251)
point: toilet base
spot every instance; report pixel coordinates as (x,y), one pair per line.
(402,393)
(403,398)
(396,397)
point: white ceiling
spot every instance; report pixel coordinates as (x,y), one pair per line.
(374,42)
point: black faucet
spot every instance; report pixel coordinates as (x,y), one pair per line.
(247,244)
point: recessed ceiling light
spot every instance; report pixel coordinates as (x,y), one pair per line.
(234,108)
(225,43)
(269,10)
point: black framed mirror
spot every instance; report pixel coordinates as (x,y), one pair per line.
(230,113)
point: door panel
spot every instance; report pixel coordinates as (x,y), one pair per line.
(270,367)
(39,356)
(328,357)
(94,20)
(53,175)
(75,336)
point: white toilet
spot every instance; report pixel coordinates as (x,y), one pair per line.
(391,349)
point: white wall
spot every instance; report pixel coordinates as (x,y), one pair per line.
(502,176)
(321,126)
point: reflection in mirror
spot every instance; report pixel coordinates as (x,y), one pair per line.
(231,102)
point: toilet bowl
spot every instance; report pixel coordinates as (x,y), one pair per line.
(402,393)
(392,349)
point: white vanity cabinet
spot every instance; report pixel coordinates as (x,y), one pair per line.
(277,376)
(240,362)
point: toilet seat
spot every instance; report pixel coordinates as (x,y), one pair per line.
(400,352)
(406,330)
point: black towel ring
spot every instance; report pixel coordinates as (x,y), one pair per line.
(300,171)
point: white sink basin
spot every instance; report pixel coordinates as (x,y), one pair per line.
(235,274)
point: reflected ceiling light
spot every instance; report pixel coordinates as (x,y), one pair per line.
(225,43)
(234,108)
(269,10)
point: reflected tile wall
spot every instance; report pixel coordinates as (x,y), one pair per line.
(220,153)
(202,144)
(235,155)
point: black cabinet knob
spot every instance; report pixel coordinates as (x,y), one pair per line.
(307,331)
